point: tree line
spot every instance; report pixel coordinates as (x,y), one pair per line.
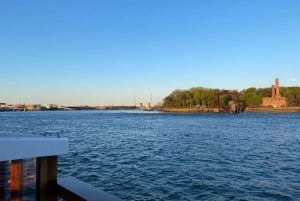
(252,97)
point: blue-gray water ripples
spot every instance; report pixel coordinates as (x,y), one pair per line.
(144,156)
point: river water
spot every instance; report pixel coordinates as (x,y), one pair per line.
(143,156)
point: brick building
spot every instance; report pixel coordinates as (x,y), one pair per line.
(276,100)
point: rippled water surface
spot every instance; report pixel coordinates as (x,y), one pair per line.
(157,156)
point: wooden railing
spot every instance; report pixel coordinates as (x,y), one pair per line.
(43,151)
(72,189)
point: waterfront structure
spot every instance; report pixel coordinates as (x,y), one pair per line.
(234,106)
(28,171)
(6,107)
(276,100)
(139,105)
(28,167)
(147,105)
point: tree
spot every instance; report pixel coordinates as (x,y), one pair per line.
(191,97)
(252,97)
(205,97)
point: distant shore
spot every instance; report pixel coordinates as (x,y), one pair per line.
(163,109)
(187,110)
(276,109)
(260,109)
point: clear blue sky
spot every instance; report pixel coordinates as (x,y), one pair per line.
(94,52)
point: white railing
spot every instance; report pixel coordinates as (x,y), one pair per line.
(29,165)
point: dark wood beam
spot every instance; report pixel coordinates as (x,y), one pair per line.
(46,178)
(3,180)
(16,179)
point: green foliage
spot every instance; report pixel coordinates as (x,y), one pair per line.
(252,97)
(186,98)
(292,94)
(225,99)
(199,96)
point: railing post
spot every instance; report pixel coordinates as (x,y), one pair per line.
(16,179)
(3,180)
(46,178)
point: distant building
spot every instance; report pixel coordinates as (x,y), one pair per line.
(33,107)
(276,100)
(139,105)
(147,105)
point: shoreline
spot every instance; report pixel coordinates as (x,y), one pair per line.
(175,110)
(215,110)
(274,110)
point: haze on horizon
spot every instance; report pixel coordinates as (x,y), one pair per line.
(118,52)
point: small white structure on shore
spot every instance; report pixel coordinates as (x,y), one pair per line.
(147,105)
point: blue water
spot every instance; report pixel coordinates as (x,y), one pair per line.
(159,156)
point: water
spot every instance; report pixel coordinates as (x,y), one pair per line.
(143,156)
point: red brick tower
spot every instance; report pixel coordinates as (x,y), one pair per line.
(277,93)
(273,91)
(276,100)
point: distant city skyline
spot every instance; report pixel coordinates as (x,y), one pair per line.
(121,52)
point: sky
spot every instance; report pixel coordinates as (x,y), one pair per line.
(118,52)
